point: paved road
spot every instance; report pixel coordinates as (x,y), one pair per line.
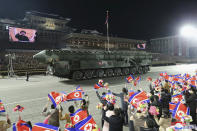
(33,94)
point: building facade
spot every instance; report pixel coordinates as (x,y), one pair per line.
(50,29)
(174,46)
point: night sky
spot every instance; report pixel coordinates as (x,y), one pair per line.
(137,19)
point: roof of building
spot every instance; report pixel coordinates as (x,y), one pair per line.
(115,39)
(41,14)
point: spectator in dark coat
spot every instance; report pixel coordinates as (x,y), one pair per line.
(124,104)
(104,102)
(191,102)
(115,121)
(53,115)
(165,98)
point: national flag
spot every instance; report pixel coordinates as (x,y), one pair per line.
(55,97)
(131,92)
(130,78)
(178,96)
(141,46)
(2,108)
(44,127)
(87,124)
(138,79)
(21,126)
(186,76)
(107,18)
(180,110)
(74,96)
(149,78)
(78,116)
(163,74)
(80,89)
(70,129)
(18,108)
(97,86)
(193,83)
(138,97)
(172,106)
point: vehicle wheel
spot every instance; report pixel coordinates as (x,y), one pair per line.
(117,72)
(133,70)
(109,72)
(88,74)
(77,75)
(100,73)
(140,71)
(125,71)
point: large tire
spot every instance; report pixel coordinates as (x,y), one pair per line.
(133,70)
(125,71)
(77,75)
(140,70)
(109,72)
(100,73)
(88,74)
(117,72)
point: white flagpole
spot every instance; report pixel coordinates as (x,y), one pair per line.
(107,31)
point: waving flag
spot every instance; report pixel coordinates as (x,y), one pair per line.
(97,86)
(21,126)
(138,79)
(18,108)
(138,97)
(74,96)
(55,98)
(87,124)
(130,78)
(78,116)
(163,74)
(186,76)
(131,92)
(2,108)
(80,89)
(149,78)
(70,129)
(179,96)
(44,127)
(172,106)
(180,110)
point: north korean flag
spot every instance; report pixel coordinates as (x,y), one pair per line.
(172,106)
(97,86)
(74,96)
(179,96)
(138,79)
(44,127)
(130,78)
(71,129)
(87,124)
(131,92)
(55,98)
(163,74)
(80,89)
(180,110)
(21,126)
(78,116)
(138,97)
(193,83)
(2,108)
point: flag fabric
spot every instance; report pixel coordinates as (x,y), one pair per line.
(87,124)
(78,116)
(149,78)
(19,108)
(97,86)
(44,127)
(71,129)
(130,78)
(80,89)
(141,46)
(131,92)
(138,79)
(55,98)
(107,18)
(180,110)
(172,106)
(74,96)
(138,97)
(163,74)
(178,96)
(2,108)
(21,126)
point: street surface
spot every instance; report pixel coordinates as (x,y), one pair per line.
(33,94)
